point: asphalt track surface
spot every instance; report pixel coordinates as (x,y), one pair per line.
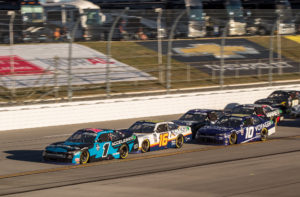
(269,168)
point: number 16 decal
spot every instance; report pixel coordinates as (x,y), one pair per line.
(163,139)
(249,132)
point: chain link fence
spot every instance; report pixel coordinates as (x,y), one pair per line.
(56,55)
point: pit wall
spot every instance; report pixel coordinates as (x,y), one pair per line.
(43,115)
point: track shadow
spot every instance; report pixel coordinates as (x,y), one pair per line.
(290,123)
(25,155)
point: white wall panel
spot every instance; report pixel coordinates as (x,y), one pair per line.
(21,117)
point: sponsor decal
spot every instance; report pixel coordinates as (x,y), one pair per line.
(249,66)
(17,65)
(234,51)
(123,141)
(43,61)
(97,147)
(77,159)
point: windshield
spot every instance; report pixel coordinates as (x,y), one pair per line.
(230,122)
(32,13)
(234,9)
(242,110)
(145,127)
(284,11)
(196,13)
(193,117)
(93,17)
(276,95)
(83,136)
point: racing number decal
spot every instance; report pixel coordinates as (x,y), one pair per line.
(163,139)
(249,132)
(105,149)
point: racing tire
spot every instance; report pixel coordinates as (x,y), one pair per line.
(84,157)
(179,141)
(145,146)
(123,150)
(264,134)
(233,138)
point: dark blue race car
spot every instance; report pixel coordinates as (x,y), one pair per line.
(197,118)
(235,129)
(88,145)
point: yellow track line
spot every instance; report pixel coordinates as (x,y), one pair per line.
(134,159)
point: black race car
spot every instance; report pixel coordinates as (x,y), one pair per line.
(264,111)
(197,118)
(283,99)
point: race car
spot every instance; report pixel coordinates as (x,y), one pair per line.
(236,129)
(159,135)
(283,99)
(197,118)
(264,111)
(87,145)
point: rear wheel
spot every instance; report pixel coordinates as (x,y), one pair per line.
(179,141)
(264,134)
(84,157)
(233,138)
(123,151)
(145,146)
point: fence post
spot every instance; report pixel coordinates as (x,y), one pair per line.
(159,45)
(279,57)
(169,58)
(259,69)
(108,51)
(11,57)
(56,59)
(70,77)
(271,58)
(222,61)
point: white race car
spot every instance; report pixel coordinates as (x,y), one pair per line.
(160,135)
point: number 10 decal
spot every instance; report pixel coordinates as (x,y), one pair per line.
(163,139)
(249,132)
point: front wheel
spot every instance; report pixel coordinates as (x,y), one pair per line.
(179,141)
(264,134)
(123,151)
(233,138)
(84,157)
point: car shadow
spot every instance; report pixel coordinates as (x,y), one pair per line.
(290,122)
(25,155)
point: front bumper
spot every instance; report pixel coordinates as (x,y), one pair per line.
(61,157)
(211,139)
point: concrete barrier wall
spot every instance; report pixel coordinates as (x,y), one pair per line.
(44,115)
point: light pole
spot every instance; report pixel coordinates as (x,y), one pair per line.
(159,46)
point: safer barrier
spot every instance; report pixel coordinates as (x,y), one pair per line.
(22,117)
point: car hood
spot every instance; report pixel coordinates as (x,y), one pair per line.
(66,146)
(185,122)
(270,101)
(213,130)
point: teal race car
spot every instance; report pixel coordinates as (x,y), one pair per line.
(87,145)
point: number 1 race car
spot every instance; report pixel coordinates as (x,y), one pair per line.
(159,135)
(88,145)
(235,129)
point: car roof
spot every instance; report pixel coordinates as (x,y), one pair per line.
(195,111)
(96,130)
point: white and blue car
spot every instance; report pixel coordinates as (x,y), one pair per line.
(236,129)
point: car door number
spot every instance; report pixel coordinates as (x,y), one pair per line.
(163,139)
(249,132)
(105,149)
